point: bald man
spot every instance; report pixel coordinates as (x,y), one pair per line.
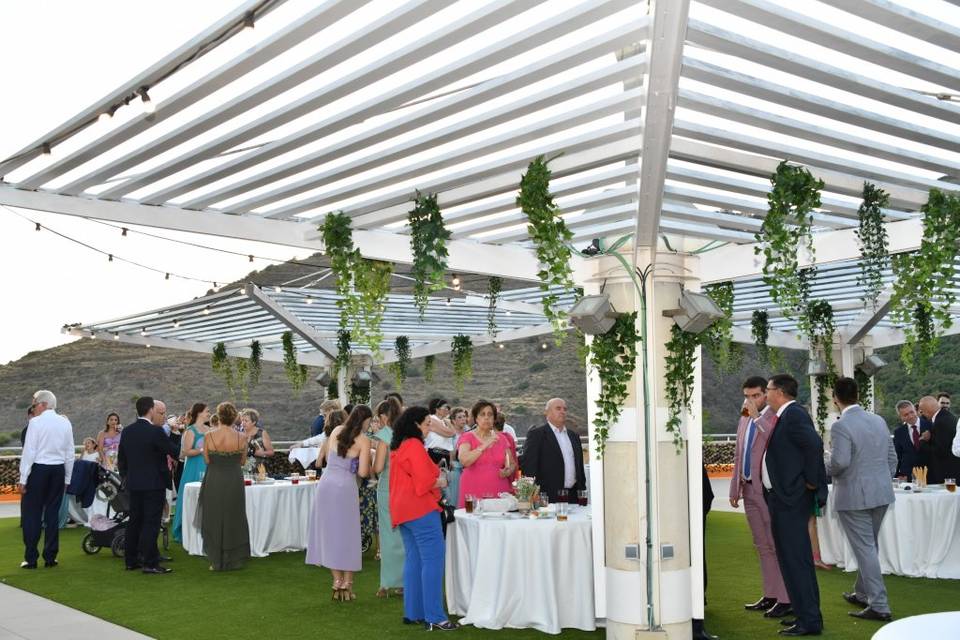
(938,441)
(553,454)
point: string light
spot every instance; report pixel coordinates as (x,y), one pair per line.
(509,313)
(216,287)
(38,226)
(148,345)
(278,290)
(143,331)
(109,257)
(166,277)
(176,323)
(251,257)
(45,149)
(241,291)
(449,301)
(206,310)
(248,21)
(93,336)
(146,104)
(124,232)
(500,346)
(116,336)
(106,116)
(455,281)
(309,299)
(543,345)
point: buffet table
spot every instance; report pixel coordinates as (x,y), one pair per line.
(276,513)
(920,535)
(503,570)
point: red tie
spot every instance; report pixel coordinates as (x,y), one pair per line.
(916,438)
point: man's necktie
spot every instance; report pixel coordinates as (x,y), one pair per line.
(916,437)
(748,449)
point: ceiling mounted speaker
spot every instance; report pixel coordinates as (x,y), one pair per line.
(594,315)
(871,364)
(696,313)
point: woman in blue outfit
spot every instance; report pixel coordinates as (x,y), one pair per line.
(191,450)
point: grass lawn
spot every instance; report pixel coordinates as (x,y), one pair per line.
(279,596)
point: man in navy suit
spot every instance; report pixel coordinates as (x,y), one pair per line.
(939,441)
(553,455)
(907,441)
(142,462)
(794,477)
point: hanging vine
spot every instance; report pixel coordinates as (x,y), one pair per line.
(399,368)
(332,390)
(820,334)
(256,363)
(242,366)
(550,237)
(342,360)
(864,388)
(359,393)
(787,228)
(296,373)
(339,249)
(428,243)
(614,357)
(923,281)
(462,349)
(493,295)
(372,281)
(222,366)
(679,378)
(718,339)
(872,234)
(429,368)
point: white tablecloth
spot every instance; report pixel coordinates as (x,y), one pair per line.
(303,455)
(920,536)
(276,513)
(929,625)
(521,573)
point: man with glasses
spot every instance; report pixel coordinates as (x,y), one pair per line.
(46,465)
(794,478)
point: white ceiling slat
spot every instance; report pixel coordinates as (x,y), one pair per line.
(424,142)
(501,142)
(723,41)
(406,15)
(619,37)
(424,47)
(788,126)
(781,94)
(806,26)
(903,19)
(170,62)
(310,24)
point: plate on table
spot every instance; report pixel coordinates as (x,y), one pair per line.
(266,481)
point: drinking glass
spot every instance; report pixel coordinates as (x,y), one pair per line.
(582,498)
(544,500)
(562,508)
(468,502)
(562,496)
(950,484)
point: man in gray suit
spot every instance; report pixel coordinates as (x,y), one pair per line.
(862,462)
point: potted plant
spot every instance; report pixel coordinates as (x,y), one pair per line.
(525,488)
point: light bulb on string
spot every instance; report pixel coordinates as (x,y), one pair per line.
(166,277)
(148,345)
(109,257)
(143,331)
(93,336)
(116,336)
(206,310)
(38,226)
(309,300)
(123,231)
(500,346)
(216,287)
(251,257)
(509,313)
(105,116)
(176,323)
(248,22)
(277,290)
(543,345)
(45,149)
(455,281)
(147,104)
(449,301)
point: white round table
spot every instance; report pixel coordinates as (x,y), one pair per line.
(929,625)
(277,515)
(920,536)
(521,573)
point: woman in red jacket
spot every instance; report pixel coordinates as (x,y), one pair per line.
(415,483)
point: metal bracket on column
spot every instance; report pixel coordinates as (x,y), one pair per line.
(285,316)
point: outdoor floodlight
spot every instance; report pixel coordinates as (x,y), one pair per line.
(696,313)
(362,376)
(593,315)
(324,379)
(871,364)
(817,366)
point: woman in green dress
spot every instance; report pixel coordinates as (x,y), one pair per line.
(391,543)
(223,503)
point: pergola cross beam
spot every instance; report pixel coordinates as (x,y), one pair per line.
(297,325)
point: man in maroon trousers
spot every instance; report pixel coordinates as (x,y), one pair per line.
(753,432)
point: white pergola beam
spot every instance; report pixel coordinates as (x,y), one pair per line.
(297,325)
(665,52)
(465,256)
(855,330)
(444,346)
(903,19)
(892,337)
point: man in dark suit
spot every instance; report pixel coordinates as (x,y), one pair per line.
(553,455)
(794,477)
(939,440)
(907,441)
(142,462)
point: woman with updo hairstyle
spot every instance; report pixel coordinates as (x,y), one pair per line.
(391,543)
(486,455)
(222,505)
(191,452)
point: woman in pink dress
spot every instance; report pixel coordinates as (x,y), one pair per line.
(486,455)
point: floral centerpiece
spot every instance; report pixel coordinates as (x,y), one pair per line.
(525,488)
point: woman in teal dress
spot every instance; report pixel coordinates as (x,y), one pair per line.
(191,449)
(391,543)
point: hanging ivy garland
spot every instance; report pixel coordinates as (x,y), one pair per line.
(760,330)
(372,280)
(428,243)
(296,373)
(256,363)
(923,281)
(462,348)
(242,367)
(332,391)
(343,352)
(550,237)
(864,388)
(679,378)
(493,294)
(872,234)
(718,341)
(820,333)
(222,366)
(429,368)
(359,393)
(399,368)
(613,356)
(786,228)
(338,248)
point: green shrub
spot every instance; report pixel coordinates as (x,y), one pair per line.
(538,366)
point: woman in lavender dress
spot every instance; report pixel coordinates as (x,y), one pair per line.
(333,538)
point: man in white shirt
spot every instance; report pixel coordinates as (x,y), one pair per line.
(46,465)
(553,454)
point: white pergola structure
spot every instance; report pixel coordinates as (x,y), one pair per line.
(669,114)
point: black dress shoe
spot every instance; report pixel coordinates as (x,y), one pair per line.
(157,570)
(165,559)
(797,630)
(134,567)
(700,632)
(28,565)
(761,605)
(870,614)
(51,564)
(788,622)
(853,598)
(779,610)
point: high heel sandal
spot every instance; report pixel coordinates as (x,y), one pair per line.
(383,592)
(347,592)
(337,588)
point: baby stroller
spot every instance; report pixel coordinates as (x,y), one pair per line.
(110,531)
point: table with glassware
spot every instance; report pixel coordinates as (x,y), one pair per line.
(920,535)
(277,514)
(508,570)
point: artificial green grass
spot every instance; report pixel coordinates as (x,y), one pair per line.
(279,596)
(734,580)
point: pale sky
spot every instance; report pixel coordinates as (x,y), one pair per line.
(62,55)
